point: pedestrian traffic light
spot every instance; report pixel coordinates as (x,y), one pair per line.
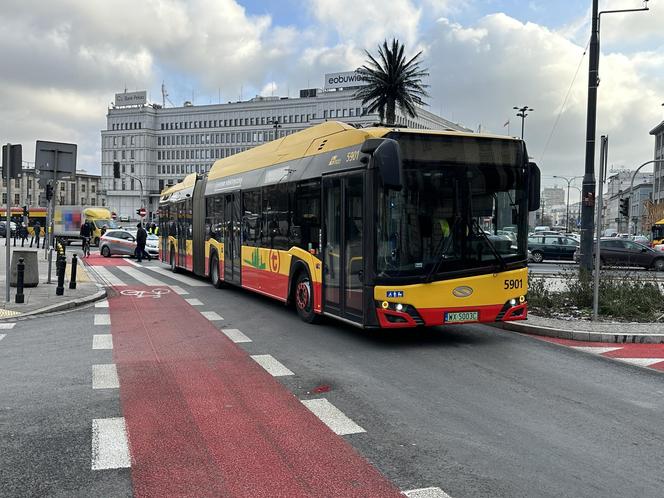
(116,169)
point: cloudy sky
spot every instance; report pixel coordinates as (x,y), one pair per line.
(62,61)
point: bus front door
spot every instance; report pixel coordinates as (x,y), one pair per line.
(232,244)
(343,266)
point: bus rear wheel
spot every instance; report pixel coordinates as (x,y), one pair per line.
(304,298)
(214,272)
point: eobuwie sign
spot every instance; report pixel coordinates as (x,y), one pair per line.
(348,79)
(131,98)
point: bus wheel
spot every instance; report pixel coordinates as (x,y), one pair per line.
(214,272)
(304,298)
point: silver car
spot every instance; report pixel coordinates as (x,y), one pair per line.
(123,243)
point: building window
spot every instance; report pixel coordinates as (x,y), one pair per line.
(29,183)
(131,167)
(17,199)
(82,188)
(62,187)
(93,189)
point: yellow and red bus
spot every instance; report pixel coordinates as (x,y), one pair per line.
(657,233)
(379,227)
(35,214)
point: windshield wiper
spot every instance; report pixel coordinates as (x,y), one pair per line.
(501,261)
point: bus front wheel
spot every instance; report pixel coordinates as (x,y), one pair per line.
(304,298)
(214,272)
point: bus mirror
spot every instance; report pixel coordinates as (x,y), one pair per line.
(533,187)
(386,155)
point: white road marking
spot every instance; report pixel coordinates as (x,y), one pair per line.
(7,326)
(105,376)
(235,335)
(102,319)
(194,302)
(142,276)
(110,448)
(132,262)
(211,315)
(594,349)
(2,336)
(102,341)
(102,304)
(192,282)
(179,290)
(273,367)
(331,416)
(107,276)
(641,362)
(426,493)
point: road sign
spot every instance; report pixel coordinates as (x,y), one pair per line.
(54,159)
(142,212)
(15,161)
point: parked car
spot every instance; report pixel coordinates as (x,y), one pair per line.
(640,239)
(620,252)
(551,247)
(3,229)
(123,243)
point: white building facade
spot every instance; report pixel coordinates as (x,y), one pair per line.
(158,146)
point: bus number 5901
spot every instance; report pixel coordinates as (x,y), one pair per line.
(513,284)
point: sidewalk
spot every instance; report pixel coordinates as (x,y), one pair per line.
(587,331)
(42,299)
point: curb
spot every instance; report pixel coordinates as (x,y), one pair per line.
(581,335)
(74,303)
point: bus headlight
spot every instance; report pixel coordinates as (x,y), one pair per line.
(513,302)
(385,305)
(399,307)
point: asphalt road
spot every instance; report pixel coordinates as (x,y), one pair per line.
(473,410)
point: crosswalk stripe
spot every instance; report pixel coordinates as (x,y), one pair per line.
(641,362)
(235,335)
(192,282)
(211,315)
(141,276)
(426,493)
(271,365)
(105,376)
(7,326)
(110,448)
(102,304)
(179,290)
(107,276)
(102,341)
(331,416)
(594,349)
(194,302)
(102,320)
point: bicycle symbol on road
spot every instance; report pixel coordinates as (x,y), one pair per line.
(139,294)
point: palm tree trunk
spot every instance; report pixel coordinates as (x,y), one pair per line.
(390,111)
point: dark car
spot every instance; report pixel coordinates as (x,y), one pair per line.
(615,251)
(551,247)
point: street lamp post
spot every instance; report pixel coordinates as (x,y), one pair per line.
(522,114)
(568,180)
(589,186)
(276,125)
(631,192)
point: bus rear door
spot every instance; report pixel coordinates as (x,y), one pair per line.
(232,245)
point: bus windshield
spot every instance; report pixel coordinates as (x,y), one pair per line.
(657,232)
(108,223)
(462,206)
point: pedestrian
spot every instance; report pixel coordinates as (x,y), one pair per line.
(23,234)
(141,239)
(103,230)
(36,233)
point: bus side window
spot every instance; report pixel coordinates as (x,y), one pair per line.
(307,215)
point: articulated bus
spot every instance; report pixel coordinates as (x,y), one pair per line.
(35,214)
(379,227)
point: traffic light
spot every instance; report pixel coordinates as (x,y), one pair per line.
(49,192)
(116,169)
(624,207)
(25,211)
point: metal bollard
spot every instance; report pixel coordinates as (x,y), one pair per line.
(60,265)
(72,279)
(20,271)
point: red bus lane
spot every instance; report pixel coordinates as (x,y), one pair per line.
(203,419)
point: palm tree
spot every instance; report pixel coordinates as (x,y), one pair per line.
(392,81)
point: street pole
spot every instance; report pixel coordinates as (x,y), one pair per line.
(522,114)
(8,225)
(631,188)
(604,155)
(588,197)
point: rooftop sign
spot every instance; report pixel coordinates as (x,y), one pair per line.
(131,98)
(348,79)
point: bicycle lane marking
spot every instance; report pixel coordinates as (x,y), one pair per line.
(202,417)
